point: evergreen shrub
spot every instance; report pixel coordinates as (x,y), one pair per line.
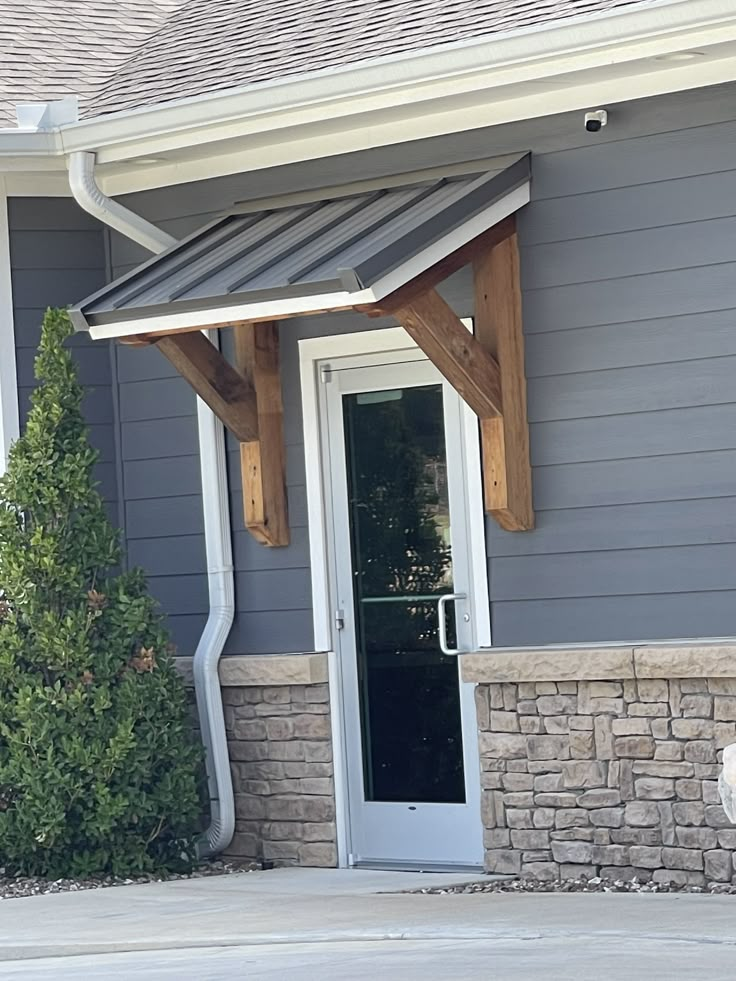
(99,771)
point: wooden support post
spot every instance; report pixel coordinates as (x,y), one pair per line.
(450,346)
(230,396)
(263,460)
(505,439)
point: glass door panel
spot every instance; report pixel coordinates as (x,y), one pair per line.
(402,564)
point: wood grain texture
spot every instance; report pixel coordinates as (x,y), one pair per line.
(230,396)
(505,440)
(448,344)
(263,461)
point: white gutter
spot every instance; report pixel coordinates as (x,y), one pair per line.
(216,506)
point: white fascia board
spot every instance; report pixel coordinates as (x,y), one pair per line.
(29,144)
(203,319)
(306,305)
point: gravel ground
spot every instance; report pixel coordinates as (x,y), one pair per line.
(578,885)
(16,887)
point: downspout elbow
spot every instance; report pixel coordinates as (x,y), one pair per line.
(89,196)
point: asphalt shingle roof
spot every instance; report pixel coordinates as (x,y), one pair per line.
(53,48)
(125,54)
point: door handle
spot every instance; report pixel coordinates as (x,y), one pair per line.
(442,614)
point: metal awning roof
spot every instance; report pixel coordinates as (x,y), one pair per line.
(325,255)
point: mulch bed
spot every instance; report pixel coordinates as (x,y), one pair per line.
(17,887)
(577,885)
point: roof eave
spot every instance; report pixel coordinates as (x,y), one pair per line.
(611,57)
(663,23)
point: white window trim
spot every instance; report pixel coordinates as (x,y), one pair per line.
(9,412)
(314,350)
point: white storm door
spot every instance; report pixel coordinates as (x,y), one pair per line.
(402,592)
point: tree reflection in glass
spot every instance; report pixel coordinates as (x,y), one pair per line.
(401,560)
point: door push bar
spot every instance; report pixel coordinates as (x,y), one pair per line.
(442,614)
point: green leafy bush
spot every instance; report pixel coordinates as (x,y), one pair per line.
(99,771)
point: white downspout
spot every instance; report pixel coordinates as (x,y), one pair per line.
(221,586)
(218,545)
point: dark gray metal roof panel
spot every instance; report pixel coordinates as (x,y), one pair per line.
(300,249)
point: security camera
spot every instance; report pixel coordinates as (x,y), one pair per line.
(595,121)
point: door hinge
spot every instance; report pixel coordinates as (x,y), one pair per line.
(325,373)
(339,619)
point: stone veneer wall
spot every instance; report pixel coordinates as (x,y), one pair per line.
(616,778)
(281,760)
(277,716)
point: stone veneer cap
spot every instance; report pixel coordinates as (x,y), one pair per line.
(686,661)
(571,664)
(250,670)
(601,663)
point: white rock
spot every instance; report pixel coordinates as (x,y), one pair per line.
(727,782)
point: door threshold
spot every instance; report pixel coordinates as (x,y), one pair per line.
(452,868)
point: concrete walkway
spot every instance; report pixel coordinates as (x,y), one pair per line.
(330,924)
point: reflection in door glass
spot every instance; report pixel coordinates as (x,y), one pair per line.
(401,562)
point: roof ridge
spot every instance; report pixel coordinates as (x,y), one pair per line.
(49,50)
(101,88)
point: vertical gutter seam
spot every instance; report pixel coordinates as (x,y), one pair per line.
(9,402)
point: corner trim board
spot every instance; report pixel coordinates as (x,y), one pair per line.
(9,408)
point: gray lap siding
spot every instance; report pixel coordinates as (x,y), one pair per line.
(57,253)
(628,269)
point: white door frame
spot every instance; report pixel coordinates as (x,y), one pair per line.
(311,352)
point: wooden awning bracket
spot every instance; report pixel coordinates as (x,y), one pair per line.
(263,460)
(505,439)
(228,393)
(486,368)
(247,399)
